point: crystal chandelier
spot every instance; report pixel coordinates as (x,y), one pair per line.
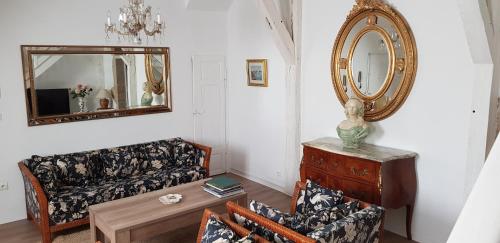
(134,22)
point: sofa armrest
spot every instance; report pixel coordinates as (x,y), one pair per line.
(233,208)
(207,153)
(365,225)
(36,200)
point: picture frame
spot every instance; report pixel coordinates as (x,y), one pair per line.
(257,72)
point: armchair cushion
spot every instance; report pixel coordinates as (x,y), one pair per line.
(317,198)
(217,231)
(270,213)
(259,230)
(362,226)
(343,210)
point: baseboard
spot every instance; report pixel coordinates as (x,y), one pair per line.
(259,180)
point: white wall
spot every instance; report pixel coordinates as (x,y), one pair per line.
(433,122)
(256,116)
(82,23)
(479,221)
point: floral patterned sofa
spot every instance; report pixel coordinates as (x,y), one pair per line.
(318,215)
(60,188)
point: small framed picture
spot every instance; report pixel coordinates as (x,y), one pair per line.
(257,72)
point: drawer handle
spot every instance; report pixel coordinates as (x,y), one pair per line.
(360,172)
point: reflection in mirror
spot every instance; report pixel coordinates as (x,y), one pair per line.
(74,84)
(370,63)
(62,81)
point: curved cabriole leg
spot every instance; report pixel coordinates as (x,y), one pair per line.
(409,215)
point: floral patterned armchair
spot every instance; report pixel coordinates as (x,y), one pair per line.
(60,188)
(214,228)
(317,215)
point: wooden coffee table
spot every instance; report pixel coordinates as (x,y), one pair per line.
(144,216)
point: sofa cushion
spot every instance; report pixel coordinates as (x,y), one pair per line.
(71,202)
(185,174)
(184,153)
(125,161)
(45,171)
(76,169)
(159,154)
(317,198)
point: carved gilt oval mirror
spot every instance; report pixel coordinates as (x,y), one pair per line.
(374,58)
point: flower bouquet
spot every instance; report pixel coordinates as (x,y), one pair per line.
(81,91)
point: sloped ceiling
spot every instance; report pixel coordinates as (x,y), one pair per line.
(209,5)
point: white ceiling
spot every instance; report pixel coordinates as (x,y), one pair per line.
(209,5)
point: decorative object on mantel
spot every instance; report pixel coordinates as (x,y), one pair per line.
(134,21)
(376,52)
(104,97)
(374,174)
(81,92)
(353,130)
(257,72)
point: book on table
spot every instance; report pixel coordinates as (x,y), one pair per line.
(223,183)
(223,187)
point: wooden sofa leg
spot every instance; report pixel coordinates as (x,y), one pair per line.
(46,237)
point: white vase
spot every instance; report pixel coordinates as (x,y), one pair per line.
(82,104)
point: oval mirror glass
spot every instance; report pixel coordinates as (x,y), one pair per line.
(370,63)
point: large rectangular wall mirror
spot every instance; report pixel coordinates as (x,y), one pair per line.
(77,83)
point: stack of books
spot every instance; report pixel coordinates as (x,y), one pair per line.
(223,187)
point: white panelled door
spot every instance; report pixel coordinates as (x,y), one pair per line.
(209,102)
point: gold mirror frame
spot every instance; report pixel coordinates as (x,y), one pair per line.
(157,86)
(31,107)
(371,10)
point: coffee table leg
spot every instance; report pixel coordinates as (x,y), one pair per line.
(93,237)
(243,201)
(121,237)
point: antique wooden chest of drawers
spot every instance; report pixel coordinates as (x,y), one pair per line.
(374,174)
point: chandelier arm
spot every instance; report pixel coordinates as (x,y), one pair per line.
(156,30)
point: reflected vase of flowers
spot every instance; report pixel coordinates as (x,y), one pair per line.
(81,92)
(82,104)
